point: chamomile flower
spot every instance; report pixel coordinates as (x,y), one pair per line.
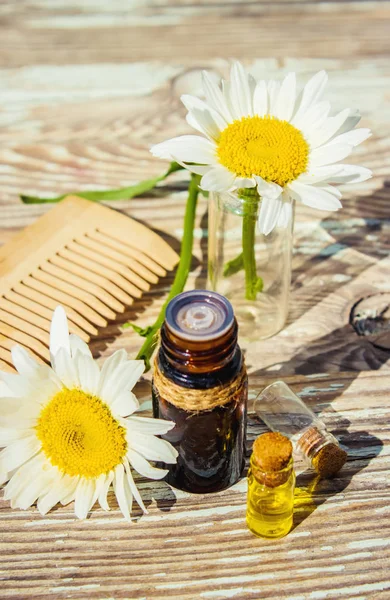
(70,431)
(269,136)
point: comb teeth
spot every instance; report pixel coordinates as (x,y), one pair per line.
(94,264)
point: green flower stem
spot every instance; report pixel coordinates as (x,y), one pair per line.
(253,283)
(183,269)
(118,194)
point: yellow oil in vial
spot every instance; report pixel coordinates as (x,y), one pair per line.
(270,509)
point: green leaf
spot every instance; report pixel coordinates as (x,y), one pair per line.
(118,194)
(142,331)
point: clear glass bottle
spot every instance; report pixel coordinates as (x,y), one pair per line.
(282,410)
(199,360)
(252,270)
(271,484)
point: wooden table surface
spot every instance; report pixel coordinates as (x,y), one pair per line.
(86,88)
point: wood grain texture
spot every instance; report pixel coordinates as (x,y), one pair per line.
(86,88)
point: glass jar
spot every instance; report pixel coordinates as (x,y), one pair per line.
(200,383)
(251,269)
(271,485)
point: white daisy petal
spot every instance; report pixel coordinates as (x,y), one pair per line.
(354,138)
(133,487)
(260,99)
(240,97)
(152,448)
(286,212)
(47,500)
(78,345)
(351,121)
(147,425)
(269,214)
(273,94)
(286,99)
(22,475)
(40,481)
(351,174)
(244,182)
(142,466)
(328,154)
(218,179)
(69,487)
(17,453)
(120,493)
(88,373)
(319,174)
(328,129)
(316,197)
(9,435)
(59,332)
(110,365)
(215,97)
(23,362)
(102,498)
(84,497)
(266,189)
(121,380)
(312,92)
(199,170)
(312,119)
(188,148)
(208,120)
(65,368)
(124,404)
(18,385)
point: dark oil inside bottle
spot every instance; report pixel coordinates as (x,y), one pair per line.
(211,443)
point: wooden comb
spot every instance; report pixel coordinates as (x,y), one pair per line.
(89,258)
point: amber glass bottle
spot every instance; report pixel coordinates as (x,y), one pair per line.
(200,383)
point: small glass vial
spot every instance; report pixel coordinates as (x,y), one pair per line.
(200,383)
(282,410)
(271,484)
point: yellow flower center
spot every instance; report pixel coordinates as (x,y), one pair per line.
(264,146)
(79,435)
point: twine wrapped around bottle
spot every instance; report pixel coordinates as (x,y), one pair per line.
(198,400)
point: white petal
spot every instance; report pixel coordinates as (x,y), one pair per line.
(18,385)
(124,404)
(9,435)
(319,174)
(312,92)
(65,368)
(286,98)
(273,93)
(147,425)
(141,465)
(244,182)
(18,453)
(22,475)
(329,154)
(133,487)
(209,121)
(351,122)
(23,362)
(110,365)
(218,179)
(119,487)
(152,448)
(78,345)
(215,97)
(122,379)
(69,487)
(354,138)
(316,197)
(240,96)
(85,492)
(260,99)
(59,332)
(104,491)
(329,128)
(39,482)
(351,174)
(199,170)
(88,373)
(47,500)
(269,214)
(188,148)
(310,121)
(267,189)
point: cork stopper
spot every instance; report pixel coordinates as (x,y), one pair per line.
(272,459)
(324,452)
